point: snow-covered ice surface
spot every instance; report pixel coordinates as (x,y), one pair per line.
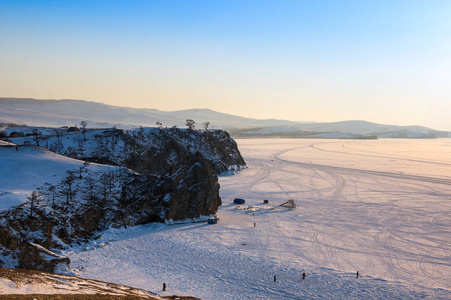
(380,207)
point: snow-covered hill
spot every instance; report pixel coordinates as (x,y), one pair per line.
(28,169)
(341,130)
(72,112)
(69,112)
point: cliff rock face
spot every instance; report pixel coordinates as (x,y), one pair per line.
(166,174)
(192,190)
(36,257)
(160,150)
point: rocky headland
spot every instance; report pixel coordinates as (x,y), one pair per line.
(154,175)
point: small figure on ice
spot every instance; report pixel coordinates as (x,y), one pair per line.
(275,278)
(254,224)
(357,274)
(164,286)
(303,275)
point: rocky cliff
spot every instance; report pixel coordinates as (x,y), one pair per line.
(160,174)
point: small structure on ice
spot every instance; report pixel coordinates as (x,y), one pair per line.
(213,220)
(239,201)
(290,204)
(265,201)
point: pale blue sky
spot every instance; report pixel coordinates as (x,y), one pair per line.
(380,61)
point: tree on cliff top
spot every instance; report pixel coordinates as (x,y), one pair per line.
(190,124)
(83,125)
(36,136)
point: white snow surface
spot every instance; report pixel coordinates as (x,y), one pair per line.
(28,168)
(382,208)
(23,282)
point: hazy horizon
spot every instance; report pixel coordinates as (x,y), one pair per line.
(304,61)
(241,115)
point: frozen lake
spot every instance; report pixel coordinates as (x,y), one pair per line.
(380,207)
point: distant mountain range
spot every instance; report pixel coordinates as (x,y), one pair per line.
(50,113)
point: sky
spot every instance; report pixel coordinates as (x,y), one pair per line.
(381,61)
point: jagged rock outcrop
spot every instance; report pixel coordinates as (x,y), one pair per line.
(159,150)
(189,192)
(18,236)
(36,257)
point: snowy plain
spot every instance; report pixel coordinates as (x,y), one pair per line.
(380,207)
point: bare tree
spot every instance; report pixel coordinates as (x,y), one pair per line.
(80,143)
(59,136)
(105,181)
(91,185)
(68,182)
(206,124)
(83,125)
(80,169)
(53,190)
(159,124)
(34,199)
(190,124)
(36,136)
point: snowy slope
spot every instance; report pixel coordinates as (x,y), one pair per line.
(356,211)
(13,281)
(27,169)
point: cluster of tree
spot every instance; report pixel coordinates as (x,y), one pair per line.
(189,123)
(92,186)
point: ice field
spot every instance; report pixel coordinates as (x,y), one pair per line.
(380,207)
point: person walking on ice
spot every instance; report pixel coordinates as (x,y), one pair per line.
(275,278)
(303,276)
(357,274)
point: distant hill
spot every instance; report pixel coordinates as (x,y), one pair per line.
(69,112)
